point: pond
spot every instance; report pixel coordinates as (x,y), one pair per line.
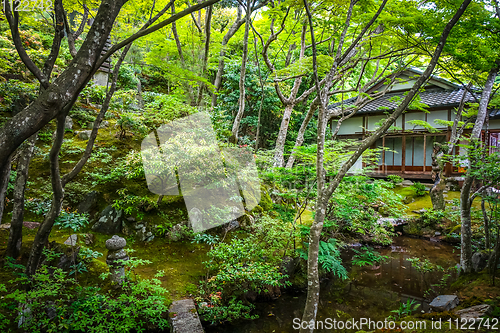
(372,292)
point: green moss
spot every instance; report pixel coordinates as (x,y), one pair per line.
(265,199)
(257,210)
(471,301)
(439,316)
(307,217)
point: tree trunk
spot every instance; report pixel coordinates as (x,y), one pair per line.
(487,244)
(437,190)
(66,87)
(324,194)
(257,135)
(176,37)
(220,69)
(313,283)
(208,24)
(465,204)
(437,195)
(300,136)
(493,260)
(4,182)
(281,139)
(16,226)
(42,236)
(466,231)
(241,101)
(438,154)
(279,150)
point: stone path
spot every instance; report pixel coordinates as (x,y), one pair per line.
(184,317)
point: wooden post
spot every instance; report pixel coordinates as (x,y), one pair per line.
(363,128)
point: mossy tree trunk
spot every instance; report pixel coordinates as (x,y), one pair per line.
(439,154)
(58,182)
(4,182)
(465,194)
(16,225)
(325,191)
(244,57)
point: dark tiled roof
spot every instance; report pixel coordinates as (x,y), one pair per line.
(433,98)
(494,114)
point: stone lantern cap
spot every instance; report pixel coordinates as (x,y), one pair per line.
(116,243)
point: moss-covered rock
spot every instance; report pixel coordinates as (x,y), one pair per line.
(265,199)
(257,210)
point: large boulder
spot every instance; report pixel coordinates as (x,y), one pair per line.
(479,261)
(71,241)
(474,312)
(68,259)
(83,135)
(444,303)
(109,222)
(407,182)
(89,202)
(246,221)
(287,266)
(68,123)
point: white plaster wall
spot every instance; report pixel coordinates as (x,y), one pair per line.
(374,119)
(350,126)
(398,147)
(414,116)
(440,114)
(418,154)
(357,166)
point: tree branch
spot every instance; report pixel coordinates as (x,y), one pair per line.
(399,110)
(56,41)
(154,28)
(16,38)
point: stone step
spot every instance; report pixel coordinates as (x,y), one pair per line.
(184,317)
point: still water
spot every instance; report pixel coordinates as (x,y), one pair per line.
(372,292)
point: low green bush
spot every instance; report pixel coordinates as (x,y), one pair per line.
(55,302)
(419,188)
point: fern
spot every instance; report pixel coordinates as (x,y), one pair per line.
(328,258)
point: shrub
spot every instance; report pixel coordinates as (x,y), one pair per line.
(432,217)
(236,268)
(82,116)
(352,207)
(126,77)
(57,303)
(16,95)
(395,179)
(419,189)
(73,221)
(93,93)
(130,122)
(161,109)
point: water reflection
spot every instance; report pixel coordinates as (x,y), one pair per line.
(372,292)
